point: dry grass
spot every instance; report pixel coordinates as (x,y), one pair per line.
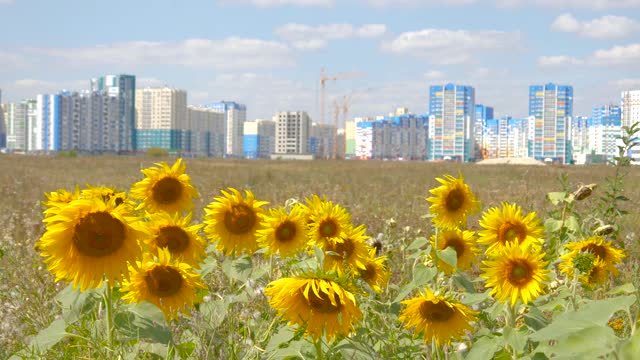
(372,191)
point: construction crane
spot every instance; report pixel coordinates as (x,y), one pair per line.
(344,108)
(323,79)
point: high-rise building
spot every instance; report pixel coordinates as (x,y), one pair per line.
(505,137)
(122,138)
(402,137)
(603,129)
(482,114)
(630,103)
(206,132)
(3,126)
(580,137)
(292,132)
(259,139)
(364,138)
(235,116)
(161,118)
(551,107)
(321,140)
(452,114)
(19,117)
(46,128)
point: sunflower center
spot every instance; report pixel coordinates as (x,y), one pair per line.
(240,219)
(457,245)
(163,281)
(167,190)
(173,238)
(328,228)
(322,303)
(435,312)
(98,234)
(520,273)
(286,231)
(596,250)
(509,232)
(455,199)
(345,248)
(369,273)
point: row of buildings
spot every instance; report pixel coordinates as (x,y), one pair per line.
(112,116)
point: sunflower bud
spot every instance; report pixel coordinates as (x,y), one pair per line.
(604,230)
(584,262)
(584,191)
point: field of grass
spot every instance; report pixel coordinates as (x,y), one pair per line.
(373,192)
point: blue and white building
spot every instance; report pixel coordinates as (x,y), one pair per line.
(235,115)
(259,139)
(550,109)
(482,114)
(45,131)
(451,128)
(122,135)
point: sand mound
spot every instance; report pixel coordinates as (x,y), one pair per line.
(511,161)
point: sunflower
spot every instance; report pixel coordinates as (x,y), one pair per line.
(515,272)
(169,285)
(322,305)
(508,224)
(605,258)
(284,233)
(463,242)
(375,273)
(106,193)
(437,317)
(232,221)
(172,231)
(350,248)
(452,202)
(57,200)
(165,188)
(89,239)
(327,222)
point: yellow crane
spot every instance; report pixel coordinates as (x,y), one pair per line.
(323,79)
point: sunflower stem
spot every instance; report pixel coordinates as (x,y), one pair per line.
(319,353)
(435,254)
(574,287)
(511,317)
(108,299)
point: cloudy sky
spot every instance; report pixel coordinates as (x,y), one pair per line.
(267,54)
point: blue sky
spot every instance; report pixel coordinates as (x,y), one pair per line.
(267,54)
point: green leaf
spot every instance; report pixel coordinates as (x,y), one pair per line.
(421,276)
(418,243)
(473,299)
(215,312)
(572,224)
(535,319)
(49,336)
(552,225)
(556,197)
(627,288)
(461,281)
(238,269)
(631,348)
(75,303)
(484,348)
(143,321)
(516,338)
(210,264)
(449,256)
(592,343)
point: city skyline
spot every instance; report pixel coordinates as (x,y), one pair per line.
(267,54)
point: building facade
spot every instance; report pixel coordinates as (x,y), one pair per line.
(551,107)
(122,132)
(482,114)
(259,139)
(235,115)
(400,137)
(292,132)
(603,129)
(630,104)
(206,132)
(45,131)
(18,118)
(161,119)
(451,128)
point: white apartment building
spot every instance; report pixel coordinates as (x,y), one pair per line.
(161,108)
(206,134)
(292,132)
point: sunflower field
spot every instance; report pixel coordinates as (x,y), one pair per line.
(158,269)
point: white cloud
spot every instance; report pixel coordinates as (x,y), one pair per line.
(618,55)
(272,3)
(28,88)
(229,53)
(606,27)
(572,4)
(442,46)
(6,2)
(626,84)
(381,3)
(434,75)
(304,37)
(558,60)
